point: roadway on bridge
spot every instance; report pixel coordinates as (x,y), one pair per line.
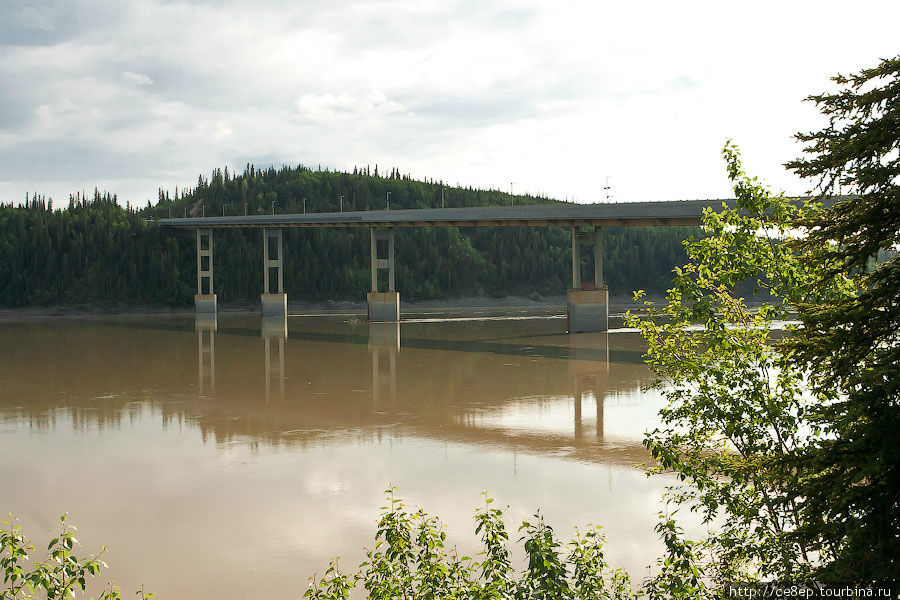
(676,212)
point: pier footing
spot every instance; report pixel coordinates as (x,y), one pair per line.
(205,303)
(588,310)
(384,306)
(274,305)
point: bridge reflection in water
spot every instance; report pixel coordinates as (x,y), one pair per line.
(206,325)
(587,377)
(274,333)
(589,373)
(384,345)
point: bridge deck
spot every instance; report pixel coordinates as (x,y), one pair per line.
(678,212)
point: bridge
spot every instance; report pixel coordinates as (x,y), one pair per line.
(587,305)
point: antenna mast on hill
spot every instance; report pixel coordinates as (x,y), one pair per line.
(607,188)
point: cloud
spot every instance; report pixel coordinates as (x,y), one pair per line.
(71,160)
(31,17)
(136,78)
(48,22)
(552,96)
(363,104)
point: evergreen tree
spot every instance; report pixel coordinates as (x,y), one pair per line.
(851,481)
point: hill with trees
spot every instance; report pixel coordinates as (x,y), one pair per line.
(94,250)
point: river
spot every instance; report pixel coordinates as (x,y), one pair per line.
(233,458)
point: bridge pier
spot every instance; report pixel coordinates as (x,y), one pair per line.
(383,306)
(274,303)
(587,308)
(205,301)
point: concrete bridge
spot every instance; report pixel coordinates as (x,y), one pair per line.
(587,306)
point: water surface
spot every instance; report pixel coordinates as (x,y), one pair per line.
(232,458)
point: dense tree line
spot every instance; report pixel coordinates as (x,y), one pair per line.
(96,251)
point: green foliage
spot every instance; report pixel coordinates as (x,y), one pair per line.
(92,251)
(96,251)
(851,476)
(737,404)
(592,577)
(496,570)
(680,571)
(789,446)
(410,561)
(59,577)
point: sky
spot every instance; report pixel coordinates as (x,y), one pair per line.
(539,97)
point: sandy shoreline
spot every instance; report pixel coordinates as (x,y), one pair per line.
(507,305)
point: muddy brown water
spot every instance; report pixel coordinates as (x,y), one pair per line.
(233,458)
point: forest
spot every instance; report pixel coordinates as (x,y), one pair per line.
(94,250)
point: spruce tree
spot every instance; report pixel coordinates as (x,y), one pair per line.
(851,478)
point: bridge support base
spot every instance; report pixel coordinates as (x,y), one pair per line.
(205,303)
(588,310)
(384,306)
(274,305)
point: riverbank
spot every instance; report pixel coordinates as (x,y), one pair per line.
(446,307)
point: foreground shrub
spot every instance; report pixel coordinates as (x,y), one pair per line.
(410,560)
(58,577)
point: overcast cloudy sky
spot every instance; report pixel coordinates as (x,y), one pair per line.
(554,96)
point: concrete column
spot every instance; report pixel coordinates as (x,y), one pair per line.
(598,258)
(280,261)
(205,302)
(391,287)
(576,259)
(383,306)
(587,310)
(373,256)
(274,302)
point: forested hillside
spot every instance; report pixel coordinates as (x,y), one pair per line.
(96,251)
